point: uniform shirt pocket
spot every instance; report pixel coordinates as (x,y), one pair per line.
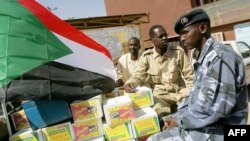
(208,93)
(154,76)
(174,74)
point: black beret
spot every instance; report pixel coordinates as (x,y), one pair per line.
(189,18)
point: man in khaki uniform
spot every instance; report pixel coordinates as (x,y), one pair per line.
(166,69)
(128,62)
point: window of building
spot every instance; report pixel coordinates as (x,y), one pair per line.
(196,3)
(218,36)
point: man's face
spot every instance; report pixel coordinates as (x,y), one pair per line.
(133,46)
(190,36)
(160,38)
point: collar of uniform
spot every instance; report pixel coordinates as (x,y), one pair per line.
(156,54)
(205,49)
(129,57)
(194,54)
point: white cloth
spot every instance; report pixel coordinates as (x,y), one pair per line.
(126,67)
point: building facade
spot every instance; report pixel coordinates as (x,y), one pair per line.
(228,17)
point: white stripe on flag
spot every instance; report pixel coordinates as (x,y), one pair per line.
(87,59)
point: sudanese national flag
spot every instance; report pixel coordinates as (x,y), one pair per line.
(43,57)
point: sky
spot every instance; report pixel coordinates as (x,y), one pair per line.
(66,9)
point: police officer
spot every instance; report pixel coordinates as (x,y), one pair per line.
(166,69)
(219,94)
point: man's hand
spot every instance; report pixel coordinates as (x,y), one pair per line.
(128,88)
(169,123)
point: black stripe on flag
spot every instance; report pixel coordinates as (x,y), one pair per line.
(56,81)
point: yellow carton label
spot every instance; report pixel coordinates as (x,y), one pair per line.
(118,133)
(20,120)
(85,110)
(121,114)
(141,99)
(143,129)
(58,133)
(86,129)
(26,137)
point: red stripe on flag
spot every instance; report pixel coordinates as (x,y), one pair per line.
(62,28)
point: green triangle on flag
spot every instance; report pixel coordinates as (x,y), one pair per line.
(23,49)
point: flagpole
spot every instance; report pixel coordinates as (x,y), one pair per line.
(6,117)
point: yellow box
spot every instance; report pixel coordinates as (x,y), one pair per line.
(88,129)
(118,133)
(143,97)
(118,110)
(85,110)
(146,122)
(27,135)
(60,132)
(20,120)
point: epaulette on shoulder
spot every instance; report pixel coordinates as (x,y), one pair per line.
(149,51)
(219,51)
(219,48)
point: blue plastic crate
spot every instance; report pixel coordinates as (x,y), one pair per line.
(45,113)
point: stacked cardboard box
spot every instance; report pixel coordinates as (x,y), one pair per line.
(60,132)
(88,109)
(20,120)
(37,116)
(27,134)
(87,119)
(142,97)
(143,100)
(148,116)
(118,110)
(137,108)
(125,118)
(118,133)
